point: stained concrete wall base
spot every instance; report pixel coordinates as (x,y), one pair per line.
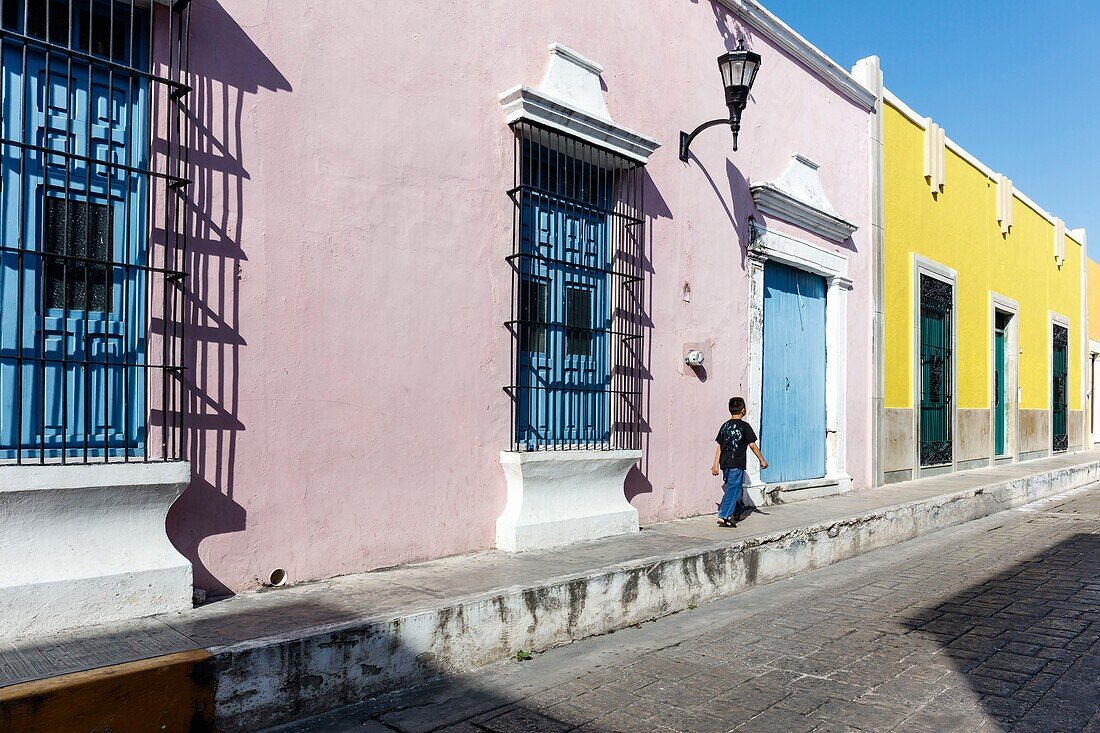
(558,498)
(266,681)
(1075,428)
(898,442)
(932,471)
(982,462)
(83,545)
(974,439)
(1035,434)
(894,477)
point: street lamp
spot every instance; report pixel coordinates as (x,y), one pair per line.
(738,69)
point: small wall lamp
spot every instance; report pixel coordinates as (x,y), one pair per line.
(738,69)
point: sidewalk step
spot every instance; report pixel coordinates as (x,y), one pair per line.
(265,681)
(171,692)
(287,653)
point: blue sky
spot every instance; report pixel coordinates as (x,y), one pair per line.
(1015,82)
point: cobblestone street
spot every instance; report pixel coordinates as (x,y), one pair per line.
(994,625)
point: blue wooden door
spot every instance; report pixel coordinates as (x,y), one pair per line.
(563,363)
(72,301)
(792,423)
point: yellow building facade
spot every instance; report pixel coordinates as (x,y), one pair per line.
(983,337)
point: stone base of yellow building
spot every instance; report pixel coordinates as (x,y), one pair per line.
(973,441)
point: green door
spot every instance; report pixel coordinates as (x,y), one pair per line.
(936,301)
(1059,387)
(999,389)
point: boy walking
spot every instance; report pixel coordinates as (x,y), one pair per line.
(734,438)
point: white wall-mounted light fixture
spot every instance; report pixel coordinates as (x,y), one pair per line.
(694,358)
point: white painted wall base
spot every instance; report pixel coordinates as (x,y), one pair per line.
(557,498)
(84,545)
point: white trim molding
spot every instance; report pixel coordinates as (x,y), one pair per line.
(559,497)
(833,74)
(570,99)
(924,266)
(1083,314)
(767,246)
(1057,319)
(86,544)
(798,197)
(1004,203)
(869,71)
(1059,242)
(934,155)
(1092,419)
(1004,304)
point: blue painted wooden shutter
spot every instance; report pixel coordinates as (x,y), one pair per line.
(563,365)
(76,324)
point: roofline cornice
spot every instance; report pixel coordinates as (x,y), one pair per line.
(835,75)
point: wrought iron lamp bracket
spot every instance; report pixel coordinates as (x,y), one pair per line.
(686,138)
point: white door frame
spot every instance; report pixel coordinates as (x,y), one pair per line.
(1056,319)
(924,266)
(782,248)
(1094,365)
(1004,304)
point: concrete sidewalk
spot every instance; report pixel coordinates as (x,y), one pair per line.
(276,655)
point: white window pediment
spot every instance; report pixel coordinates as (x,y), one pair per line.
(570,99)
(798,197)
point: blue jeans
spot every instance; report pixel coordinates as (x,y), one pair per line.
(731,499)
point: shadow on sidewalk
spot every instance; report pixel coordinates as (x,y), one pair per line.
(256,683)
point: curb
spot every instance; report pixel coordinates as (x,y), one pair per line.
(174,692)
(277,679)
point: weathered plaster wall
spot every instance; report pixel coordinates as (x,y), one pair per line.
(1035,431)
(975,439)
(898,430)
(347,352)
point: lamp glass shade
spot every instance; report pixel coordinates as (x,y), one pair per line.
(738,68)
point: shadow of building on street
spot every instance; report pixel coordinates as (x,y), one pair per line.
(1028,639)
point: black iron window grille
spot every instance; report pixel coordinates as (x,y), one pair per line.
(577,295)
(936,348)
(1059,384)
(92,239)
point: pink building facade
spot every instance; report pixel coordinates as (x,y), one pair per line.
(364,296)
(349,269)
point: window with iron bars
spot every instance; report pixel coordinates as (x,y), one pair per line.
(91,229)
(577,295)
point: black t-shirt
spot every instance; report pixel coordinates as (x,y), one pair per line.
(734,436)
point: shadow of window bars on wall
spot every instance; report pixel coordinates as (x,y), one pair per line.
(92,207)
(577,295)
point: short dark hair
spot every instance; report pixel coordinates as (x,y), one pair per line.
(737,405)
